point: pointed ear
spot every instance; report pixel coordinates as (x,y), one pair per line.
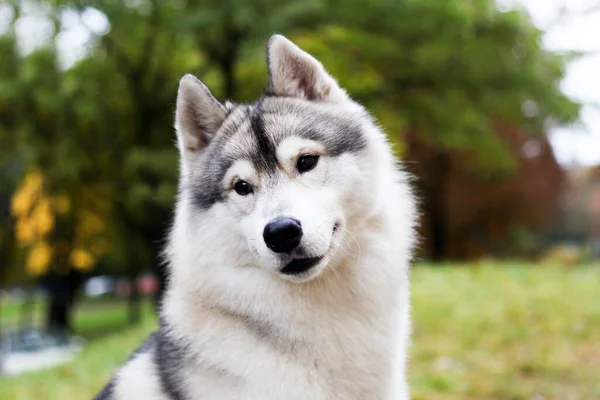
(199,115)
(295,73)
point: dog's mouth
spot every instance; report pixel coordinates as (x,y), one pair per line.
(300,265)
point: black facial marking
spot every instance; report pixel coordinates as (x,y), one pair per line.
(207,189)
(337,136)
(338,133)
(265,159)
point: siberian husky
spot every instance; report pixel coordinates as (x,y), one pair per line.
(289,254)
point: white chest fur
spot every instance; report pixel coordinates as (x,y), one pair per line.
(342,336)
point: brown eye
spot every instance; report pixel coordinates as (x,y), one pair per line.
(306,163)
(242,188)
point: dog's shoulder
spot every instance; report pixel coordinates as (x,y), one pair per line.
(147,348)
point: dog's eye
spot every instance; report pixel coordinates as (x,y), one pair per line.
(242,188)
(307,162)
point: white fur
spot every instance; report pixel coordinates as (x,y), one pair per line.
(354,316)
(294,72)
(343,329)
(138,380)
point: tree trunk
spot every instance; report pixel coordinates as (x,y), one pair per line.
(228,55)
(63,290)
(436,208)
(134,294)
(227,69)
(437,231)
(27,310)
(7,247)
(59,314)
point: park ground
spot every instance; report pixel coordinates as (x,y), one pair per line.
(483,331)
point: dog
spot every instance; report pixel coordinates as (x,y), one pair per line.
(289,253)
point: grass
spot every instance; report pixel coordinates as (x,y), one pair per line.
(507,332)
(93,318)
(512,333)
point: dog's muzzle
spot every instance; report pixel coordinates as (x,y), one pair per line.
(300,265)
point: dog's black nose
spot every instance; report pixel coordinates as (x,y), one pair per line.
(283,235)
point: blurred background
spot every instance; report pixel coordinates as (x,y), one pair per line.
(492,105)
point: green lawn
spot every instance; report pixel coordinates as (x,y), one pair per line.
(480,332)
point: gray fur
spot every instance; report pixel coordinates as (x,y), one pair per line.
(107,391)
(264,330)
(170,358)
(199,115)
(233,324)
(146,347)
(257,126)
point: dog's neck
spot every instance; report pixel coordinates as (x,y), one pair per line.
(359,302)
(348,279)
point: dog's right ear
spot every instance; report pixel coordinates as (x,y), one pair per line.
(199,115)
(295,73)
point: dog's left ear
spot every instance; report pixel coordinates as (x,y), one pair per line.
(295,73)
(198,116)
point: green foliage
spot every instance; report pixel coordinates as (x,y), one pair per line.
(450,71)
(453,71)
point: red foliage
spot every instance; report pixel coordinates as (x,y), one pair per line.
(475,210)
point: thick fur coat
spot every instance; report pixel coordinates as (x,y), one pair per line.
(289,254)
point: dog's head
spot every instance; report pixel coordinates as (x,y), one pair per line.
(284,181)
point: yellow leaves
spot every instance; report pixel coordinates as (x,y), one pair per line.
(90,224)
(36,213)
(25,232)
(42,217)
(38,259)
(99,247)
(32,210)
(27,194)
(62,204)
(21,203)
(34,180)
(88,242)
(81,260)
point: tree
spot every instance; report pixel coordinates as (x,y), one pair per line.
(148,48)
(118,104)
(9,173)
(439,75)
(52,212)
(495,214)
(445,75)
